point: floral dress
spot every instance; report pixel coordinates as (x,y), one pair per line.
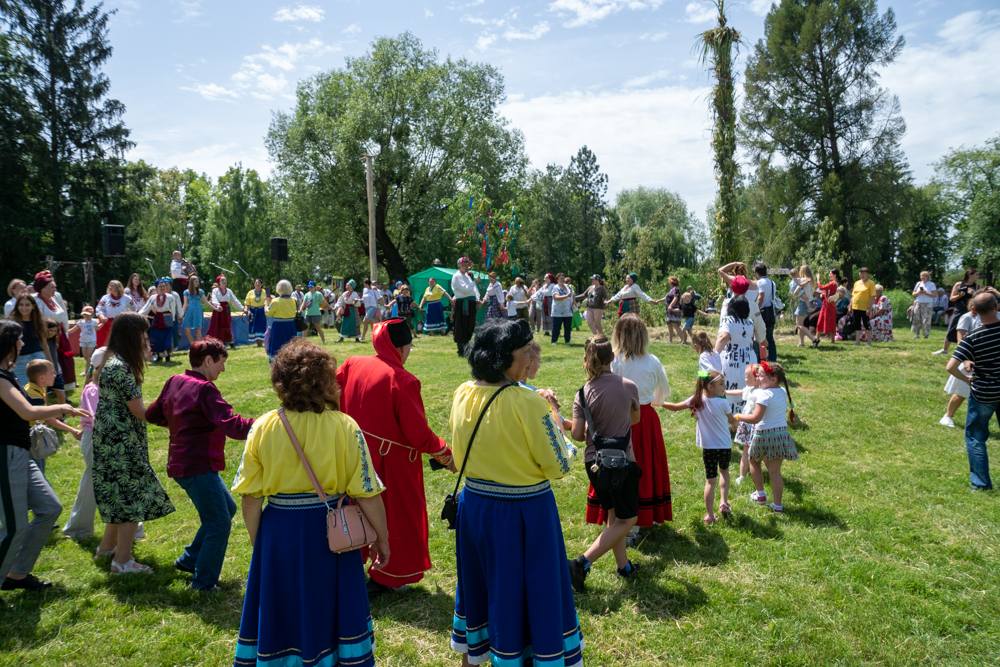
(881,319)
(125,487)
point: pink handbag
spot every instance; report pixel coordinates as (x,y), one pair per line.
(347,527)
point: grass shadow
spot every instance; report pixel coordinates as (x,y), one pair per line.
(814,517)
(418,606)
(704,547)
(760,530)
(655,595)
(20,614)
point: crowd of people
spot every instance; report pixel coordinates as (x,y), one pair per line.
(331,442)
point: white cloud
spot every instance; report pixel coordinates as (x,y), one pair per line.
(213,159)
(761,7)
(189,9)
(647,79)
(485,41)
(428,13)
(299,14)
(535,32)
(352,29)
(659,137)
(700,12)
(582,12)
(654,36)
(945,88)
(212,91)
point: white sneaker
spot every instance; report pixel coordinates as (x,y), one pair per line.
(937,352)
(947,421)
(130,567)
(739,480)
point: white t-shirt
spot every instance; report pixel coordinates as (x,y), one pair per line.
(88,332)
(8,307)
(710,361)
(766,287)
(176,269)
(968,323)
(370,298)
(463,286)
(929,287)
(562,307)
(517,297)
(748,399)
(648,375)
(711,429)
(775,402)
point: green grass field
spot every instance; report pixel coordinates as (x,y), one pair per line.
(883,556)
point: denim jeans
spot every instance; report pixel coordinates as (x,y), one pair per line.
(772,349)
(564,323)
(216,509)
(977,432)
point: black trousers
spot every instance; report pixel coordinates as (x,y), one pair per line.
(565,323)
(464,316)
(768,316)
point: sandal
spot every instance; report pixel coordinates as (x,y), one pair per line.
(99,553)
(774,507)
(758,497)
(130,567)
(708,520)
(725,510)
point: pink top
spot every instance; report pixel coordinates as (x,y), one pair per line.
(88,402)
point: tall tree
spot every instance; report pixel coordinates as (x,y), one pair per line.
(813,102)
(717,47)
(432,124)
(659,233)
(589,189)
(923,233)
(63,47)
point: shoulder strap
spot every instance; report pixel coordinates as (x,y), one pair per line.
(586,413)
(302,455)
(475,430)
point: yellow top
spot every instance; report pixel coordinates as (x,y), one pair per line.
(283,308)
(251,301)
(862,295)
(518,442)
(38,393)
(434,294)
(332,442)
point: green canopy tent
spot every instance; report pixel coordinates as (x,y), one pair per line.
(418,284)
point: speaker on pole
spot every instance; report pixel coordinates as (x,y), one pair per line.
(113,240)
(279,249)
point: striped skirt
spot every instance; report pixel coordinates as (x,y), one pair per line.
(434,318)
(772,443)
(257,325)
(514,601)
(304,604)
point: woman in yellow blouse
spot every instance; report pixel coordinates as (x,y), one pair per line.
(433,308)
(281,319)
(303,602)
(255,302)
(510,554)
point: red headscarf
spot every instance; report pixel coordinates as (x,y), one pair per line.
(42,280)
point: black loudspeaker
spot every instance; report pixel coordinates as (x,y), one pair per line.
(279,249)
(113,240)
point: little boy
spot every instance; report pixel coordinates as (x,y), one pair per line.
(41,376)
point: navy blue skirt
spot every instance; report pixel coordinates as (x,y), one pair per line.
(304,604)
(257,325)
(161,340)
(280,332)
(514,601)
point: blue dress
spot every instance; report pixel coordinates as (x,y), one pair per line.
(194,317)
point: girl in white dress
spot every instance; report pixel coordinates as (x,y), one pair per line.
(735,347)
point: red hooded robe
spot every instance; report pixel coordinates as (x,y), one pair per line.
(384,399)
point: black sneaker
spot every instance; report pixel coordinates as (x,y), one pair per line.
(29,583)
(578,575)
(375,589)
(182,567)
(629,571)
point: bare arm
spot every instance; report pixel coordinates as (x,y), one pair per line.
(954,367)
(137,409)
(722,341)
(675,407)
(28,412)
(251,516)
(754,417)
(375,512)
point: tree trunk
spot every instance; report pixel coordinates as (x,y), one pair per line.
(386,252)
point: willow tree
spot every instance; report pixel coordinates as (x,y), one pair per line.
(717,49)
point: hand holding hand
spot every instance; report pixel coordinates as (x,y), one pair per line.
(380,553)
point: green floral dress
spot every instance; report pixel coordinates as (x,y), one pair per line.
(125,486)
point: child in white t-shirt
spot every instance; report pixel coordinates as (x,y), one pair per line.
(744,431)
(713,415)
(708,358)
(770,442)
(87,326)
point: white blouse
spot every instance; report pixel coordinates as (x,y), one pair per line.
(59,314)
(218,298)
(632,291)
(648,375)
(463,285)
(109,307)
(170,305)
(347,299)
(495,289)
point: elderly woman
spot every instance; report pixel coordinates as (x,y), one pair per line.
(433,308)
(280,313)
(53,307)
(23,487)
(629,296)
(881,317)
(14,289)
(513,597)
(126,489)
(304,603)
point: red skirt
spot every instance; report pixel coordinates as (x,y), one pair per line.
(826,323)
(221,324)
(654,485)
(66,360)
(104,332)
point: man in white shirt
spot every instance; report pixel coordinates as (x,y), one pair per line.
(766,289)
(924,294)
(178,276)
(465,298)
(370,297)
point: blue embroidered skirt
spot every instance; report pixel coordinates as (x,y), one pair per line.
(161,334)
(258,324)
(434,318)
(304,604)
(280,332)
(513,602)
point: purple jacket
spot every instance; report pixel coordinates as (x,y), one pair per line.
(199,420)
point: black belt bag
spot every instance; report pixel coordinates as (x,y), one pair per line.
(612,452)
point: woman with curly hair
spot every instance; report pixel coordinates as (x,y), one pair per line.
(303,602)
(514,596)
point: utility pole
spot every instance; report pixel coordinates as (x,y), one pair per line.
(372,267)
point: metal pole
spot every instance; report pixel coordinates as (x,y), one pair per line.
(372,267)
(89,270)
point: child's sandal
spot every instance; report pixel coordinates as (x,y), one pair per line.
(725,510)
(708,520)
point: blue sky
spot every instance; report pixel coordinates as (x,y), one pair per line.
(201,78)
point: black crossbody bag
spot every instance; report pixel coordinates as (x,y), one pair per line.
(449,512)
(612,457)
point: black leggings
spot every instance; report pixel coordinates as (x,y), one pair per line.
(566,323)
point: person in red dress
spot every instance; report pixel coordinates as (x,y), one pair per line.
(826,323)
(384,399)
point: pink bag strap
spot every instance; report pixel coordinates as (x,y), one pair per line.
(302,456)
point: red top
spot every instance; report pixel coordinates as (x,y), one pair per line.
(199,420)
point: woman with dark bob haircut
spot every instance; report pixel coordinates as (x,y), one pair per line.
(510,553)
(304,602)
